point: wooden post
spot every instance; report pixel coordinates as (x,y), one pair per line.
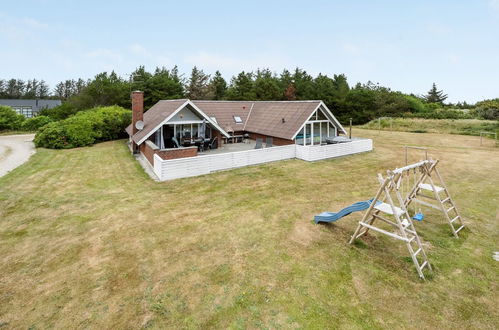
(350,133)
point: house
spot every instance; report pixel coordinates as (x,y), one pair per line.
(180,138)
(29,107)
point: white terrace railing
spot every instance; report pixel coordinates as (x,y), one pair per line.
(193,166)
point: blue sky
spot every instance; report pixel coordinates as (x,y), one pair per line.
(406,45)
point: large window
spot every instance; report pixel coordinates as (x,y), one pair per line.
(25,111)
(316,130)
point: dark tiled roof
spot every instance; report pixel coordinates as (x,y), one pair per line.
(224,112)
(36,105)
(267,117)
(263,117)
(154,116)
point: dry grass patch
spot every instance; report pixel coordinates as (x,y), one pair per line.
(87,240)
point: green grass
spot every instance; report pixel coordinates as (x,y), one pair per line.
(446,126)
(87,240)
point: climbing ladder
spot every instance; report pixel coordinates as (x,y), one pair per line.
(441,198)
(396,209)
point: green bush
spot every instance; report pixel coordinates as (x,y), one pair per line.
(440,114)
(9,119)
(60,112)
(33,124)
(85,128)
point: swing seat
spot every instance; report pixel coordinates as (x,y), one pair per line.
(418,217)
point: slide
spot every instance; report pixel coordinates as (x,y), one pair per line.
(331,216)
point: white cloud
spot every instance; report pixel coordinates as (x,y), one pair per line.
(438,29)
(105,55)
(19,29)
(350,48)
(138,49)
(33,23)
(494,4)
(142,53)
(454,59)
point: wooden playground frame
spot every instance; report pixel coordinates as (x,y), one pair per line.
(389,201)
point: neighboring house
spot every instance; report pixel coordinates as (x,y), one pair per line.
(30,108)
(184,137)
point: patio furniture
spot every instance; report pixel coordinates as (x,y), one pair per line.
(186,142)
(200,144)
(213,143)
(206,144)
(268,142)
(259,143)
(246,138)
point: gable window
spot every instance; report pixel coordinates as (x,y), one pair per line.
(238,119)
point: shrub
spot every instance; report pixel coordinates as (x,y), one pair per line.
(85,128)
(33,124)
(440,114)
(9,119)
(60,112)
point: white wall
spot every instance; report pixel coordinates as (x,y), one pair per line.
(204,164)
(184,115)
(313,153)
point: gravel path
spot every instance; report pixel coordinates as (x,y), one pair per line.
(15,150)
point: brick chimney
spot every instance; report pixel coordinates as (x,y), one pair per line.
(137,112)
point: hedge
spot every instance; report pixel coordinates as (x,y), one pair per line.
(33,124)
(85,128)
(9,119)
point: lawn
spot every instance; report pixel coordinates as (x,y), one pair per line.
(87,240)
(450,126)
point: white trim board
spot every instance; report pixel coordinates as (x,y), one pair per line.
(165,121)
(327,113)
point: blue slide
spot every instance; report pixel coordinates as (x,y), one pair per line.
(331,216)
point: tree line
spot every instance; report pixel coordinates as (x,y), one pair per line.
(361,102)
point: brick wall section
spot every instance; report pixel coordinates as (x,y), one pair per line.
(275,140)
(148,149)
(218,135)
(178,153)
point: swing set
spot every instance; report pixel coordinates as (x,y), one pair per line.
(413,183)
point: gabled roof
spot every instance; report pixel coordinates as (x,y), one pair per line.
(262,117)
(35,104)
(159,114)
(155,115)
(265,117)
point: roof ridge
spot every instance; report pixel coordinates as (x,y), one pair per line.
(295,101)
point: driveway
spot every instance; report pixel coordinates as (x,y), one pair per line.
(15,150)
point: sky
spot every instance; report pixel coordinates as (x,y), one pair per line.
(405,45)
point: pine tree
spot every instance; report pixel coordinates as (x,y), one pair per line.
(241,87)
(197,87)
(217,86)
(42,90)
(435,96)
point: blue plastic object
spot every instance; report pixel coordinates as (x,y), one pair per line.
(418,216)
(331,216)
